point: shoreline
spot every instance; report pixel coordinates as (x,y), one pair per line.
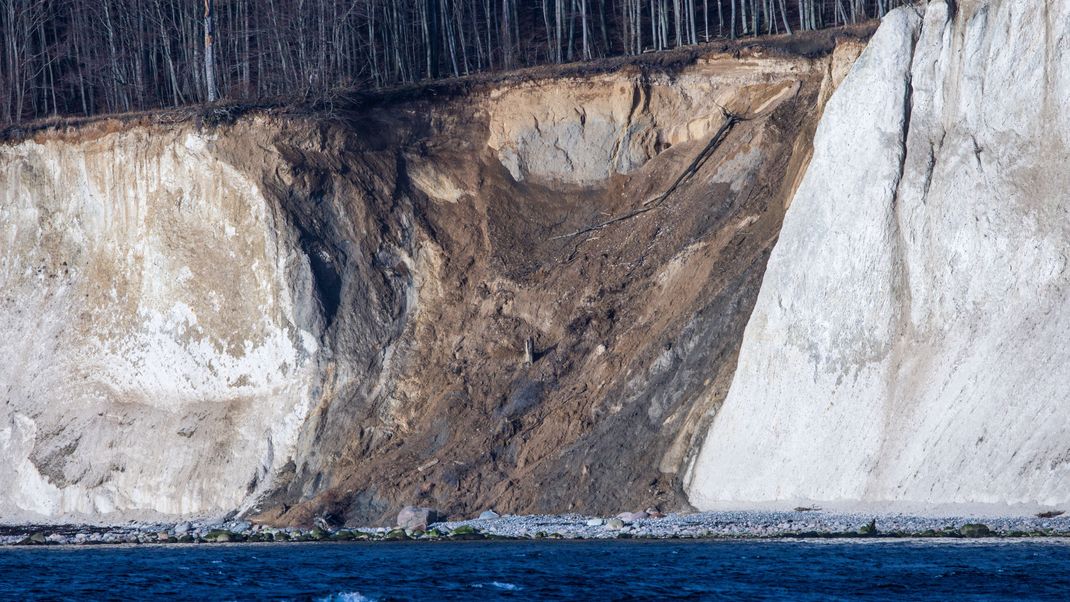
(719,525)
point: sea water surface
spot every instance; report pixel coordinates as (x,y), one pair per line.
(557,570)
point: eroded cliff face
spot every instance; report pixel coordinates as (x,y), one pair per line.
(296,316)
(908,346)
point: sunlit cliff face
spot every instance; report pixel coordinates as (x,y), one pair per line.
(153,357)
(908,346)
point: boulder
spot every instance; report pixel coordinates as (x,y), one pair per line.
(219,536)
(595,522)
(329,522)
(36,539)
(631,517)
(413,517)
(239,526)
(614,524)
(466,532)
(489,515)
(975,530)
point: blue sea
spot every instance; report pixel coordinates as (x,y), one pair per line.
(550,570)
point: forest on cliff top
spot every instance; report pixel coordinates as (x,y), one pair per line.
(85,57)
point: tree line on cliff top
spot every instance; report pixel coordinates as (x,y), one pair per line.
(83,57)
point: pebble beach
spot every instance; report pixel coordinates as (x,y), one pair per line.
(636,525)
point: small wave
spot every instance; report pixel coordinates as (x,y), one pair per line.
(509,587)
(346,597)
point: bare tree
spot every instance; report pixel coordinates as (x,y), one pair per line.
(93,56)
(209,53)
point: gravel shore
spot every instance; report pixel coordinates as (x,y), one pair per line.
(750,524)
(713,525)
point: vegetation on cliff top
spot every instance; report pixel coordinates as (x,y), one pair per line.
(85,57)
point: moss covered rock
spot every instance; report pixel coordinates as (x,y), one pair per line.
(869,530)
(975,530)
(221,536)
(344,535)
(466,532)
(36,539)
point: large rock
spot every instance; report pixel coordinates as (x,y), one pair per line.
(415,518)
(631,517)
(911,340)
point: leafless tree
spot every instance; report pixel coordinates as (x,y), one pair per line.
(91,56)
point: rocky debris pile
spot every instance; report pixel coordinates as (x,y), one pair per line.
(715,525)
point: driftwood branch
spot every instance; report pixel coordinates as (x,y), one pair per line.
(731,119)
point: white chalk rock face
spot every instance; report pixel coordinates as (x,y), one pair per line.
(911,341)
(150,360)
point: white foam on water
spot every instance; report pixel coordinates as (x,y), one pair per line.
(346,597)
(502,585)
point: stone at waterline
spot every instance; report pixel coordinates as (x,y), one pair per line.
(329,522)
(631,517)
(238,526)
(975,530)
(36,539)
(413,517)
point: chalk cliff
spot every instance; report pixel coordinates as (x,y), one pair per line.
(290,314)
(909,344)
